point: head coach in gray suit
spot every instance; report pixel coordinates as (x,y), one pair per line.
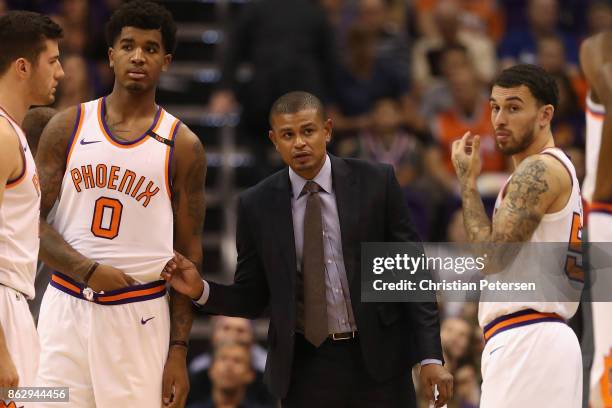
(299,235)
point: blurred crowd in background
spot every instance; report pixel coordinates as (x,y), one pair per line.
(401,80)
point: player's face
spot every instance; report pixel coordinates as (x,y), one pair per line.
(516,116)
(301,139)
(138,58)
(46,75)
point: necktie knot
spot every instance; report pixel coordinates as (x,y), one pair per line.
(311,187)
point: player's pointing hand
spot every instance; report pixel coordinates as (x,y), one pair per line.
(184,277)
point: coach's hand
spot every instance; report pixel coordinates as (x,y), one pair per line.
(466,157)
(175,382)
(435,374)
(106,278)
(8,372)
(184,277)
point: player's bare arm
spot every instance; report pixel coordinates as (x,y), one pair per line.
(10,167)
(596,63)
(189,174)
(11,163)
(54,250)
(539,185)
(467,164)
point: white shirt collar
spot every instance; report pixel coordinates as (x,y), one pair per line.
(323,179)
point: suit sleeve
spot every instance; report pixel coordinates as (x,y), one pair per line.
(423,316)
(248,296)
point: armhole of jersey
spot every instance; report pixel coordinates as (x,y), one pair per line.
(569,173)
(78,123)
(15,182)
(169,151)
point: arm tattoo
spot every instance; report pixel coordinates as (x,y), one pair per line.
(196,177)
(475,219)
(519,216)
(189,210)
(55,252)
(181,316)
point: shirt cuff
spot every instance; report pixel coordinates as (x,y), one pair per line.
(204,298)
(427,360)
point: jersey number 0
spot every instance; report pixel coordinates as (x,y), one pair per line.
(105,209)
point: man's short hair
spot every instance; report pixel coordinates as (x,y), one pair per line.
(23,35)
(146,15)
(541,84)
(294,102)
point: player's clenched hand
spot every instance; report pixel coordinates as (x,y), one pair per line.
(175,381)
(466,157)
(8,372)
(106,278)
(184,277)
(434,374)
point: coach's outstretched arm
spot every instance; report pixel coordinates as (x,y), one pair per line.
(188,170)
(55,252)
(247,297)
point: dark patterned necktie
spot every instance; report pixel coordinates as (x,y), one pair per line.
(313,269)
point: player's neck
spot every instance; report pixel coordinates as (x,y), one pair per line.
(131,105)
(13,100)
(541,142)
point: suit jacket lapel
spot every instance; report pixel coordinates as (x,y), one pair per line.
(346,187)
(281,221)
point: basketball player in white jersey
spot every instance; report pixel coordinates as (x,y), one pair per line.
(596,63)
(531,358)
(29,74)
(129,180)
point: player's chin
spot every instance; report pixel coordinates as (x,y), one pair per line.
(135,86)
(46,99)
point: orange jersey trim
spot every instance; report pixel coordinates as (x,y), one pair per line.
(109,137)
(77,131)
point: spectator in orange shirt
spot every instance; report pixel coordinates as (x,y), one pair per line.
(469,112)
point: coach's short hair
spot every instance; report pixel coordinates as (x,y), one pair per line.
(23,35)
(294,102)
(541,84)
(146,15)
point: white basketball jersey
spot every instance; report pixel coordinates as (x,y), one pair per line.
(562,226)
(594,125)
(115,200)
(19,219)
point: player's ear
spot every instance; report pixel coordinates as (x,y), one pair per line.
(111,57)
(546,114)
(167,61)
(22,66)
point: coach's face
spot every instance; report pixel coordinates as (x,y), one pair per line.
(517,118)
(138,58)
(301,139)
